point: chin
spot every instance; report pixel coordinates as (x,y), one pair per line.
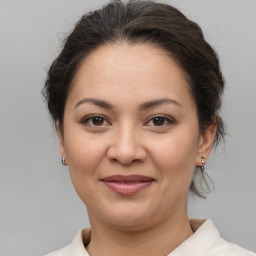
(128,218)
(133,224)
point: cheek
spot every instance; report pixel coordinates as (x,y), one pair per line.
(84,154)
(175,158)
(175,150)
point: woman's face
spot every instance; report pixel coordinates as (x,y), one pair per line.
(131,136)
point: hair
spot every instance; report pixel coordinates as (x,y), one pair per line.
(147,22)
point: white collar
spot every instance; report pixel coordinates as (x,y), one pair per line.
(205,241)
(205,238)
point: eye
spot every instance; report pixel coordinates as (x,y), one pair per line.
(95,121)
(160,121)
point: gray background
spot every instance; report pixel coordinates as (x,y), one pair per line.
(39,210)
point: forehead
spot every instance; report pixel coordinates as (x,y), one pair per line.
(129,70)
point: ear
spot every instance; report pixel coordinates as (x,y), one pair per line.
(206,142)
(61,140)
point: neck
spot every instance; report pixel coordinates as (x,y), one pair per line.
(157,240)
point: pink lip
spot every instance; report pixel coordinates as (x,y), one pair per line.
(127,185)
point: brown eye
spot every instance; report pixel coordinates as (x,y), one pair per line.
(159,121)
(97,121)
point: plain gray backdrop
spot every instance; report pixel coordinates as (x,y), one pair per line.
(40,210)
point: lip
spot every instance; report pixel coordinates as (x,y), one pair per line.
(127,185)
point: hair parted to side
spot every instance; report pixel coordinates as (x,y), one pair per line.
(143,22)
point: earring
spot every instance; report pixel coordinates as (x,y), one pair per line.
(63,159)
(203,162)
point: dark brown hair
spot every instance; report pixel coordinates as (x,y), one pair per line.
(143,22)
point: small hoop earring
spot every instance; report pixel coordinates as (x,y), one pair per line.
(63,160)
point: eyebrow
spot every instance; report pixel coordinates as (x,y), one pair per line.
(143,106)
(154,103)
(97,102)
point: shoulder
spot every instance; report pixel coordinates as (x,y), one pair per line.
(61,252)
(208,241)
(225,248)
(77,247)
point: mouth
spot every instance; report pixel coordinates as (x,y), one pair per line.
(127,185)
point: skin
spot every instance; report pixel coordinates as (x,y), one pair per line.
(127,140)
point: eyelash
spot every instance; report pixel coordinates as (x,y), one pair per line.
(86,120)
(167,121)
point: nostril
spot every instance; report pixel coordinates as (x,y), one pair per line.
(123,160)
(126,156)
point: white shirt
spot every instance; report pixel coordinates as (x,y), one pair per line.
(206,241)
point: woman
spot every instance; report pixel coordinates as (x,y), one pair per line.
(135,96)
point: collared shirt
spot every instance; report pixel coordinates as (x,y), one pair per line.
(206,241)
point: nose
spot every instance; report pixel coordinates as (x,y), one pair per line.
(127,146)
